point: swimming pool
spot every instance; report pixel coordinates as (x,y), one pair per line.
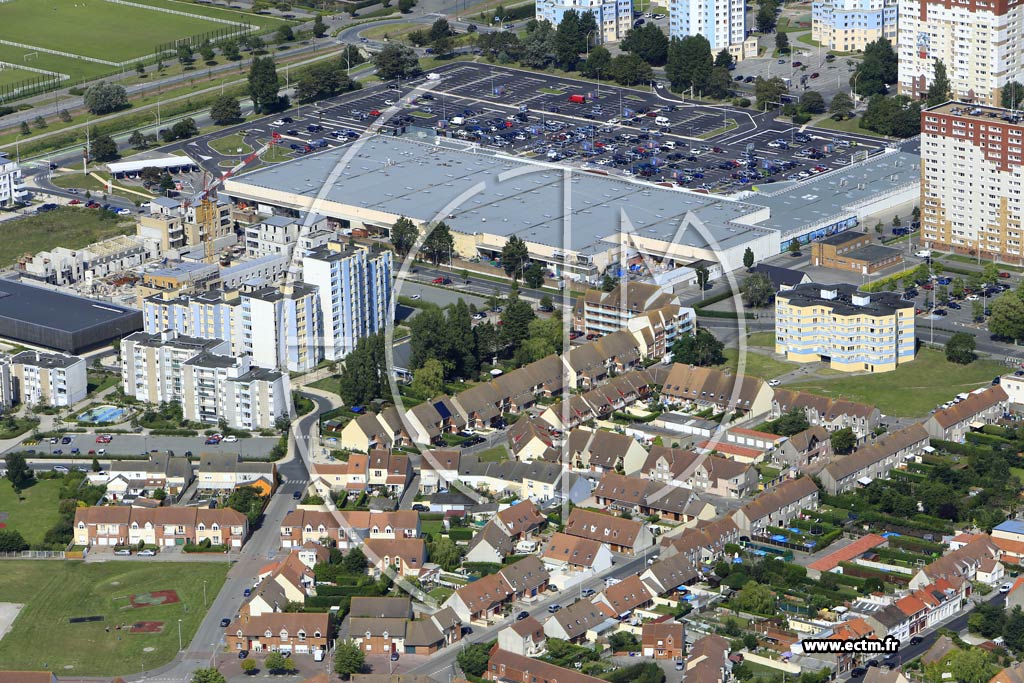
(103,414)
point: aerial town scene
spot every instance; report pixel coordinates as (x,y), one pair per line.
(511,341)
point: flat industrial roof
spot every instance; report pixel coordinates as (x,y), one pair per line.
(54,309)
(477,191)
(836,194)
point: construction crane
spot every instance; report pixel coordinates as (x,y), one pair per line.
(204,201)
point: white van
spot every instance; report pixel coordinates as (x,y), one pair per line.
(433,77)
(457,120)
(670,144)
(661,120)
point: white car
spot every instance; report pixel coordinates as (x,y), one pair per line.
(1005,588)
(61,469)
(123,551)
(924,253)
(433,77)
(231,438)
(148,552)
(973,297)
(774,382)
(389,103)
(102,451)
(124,212)
(277,122)
(415,297)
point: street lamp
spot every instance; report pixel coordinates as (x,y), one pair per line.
(204,592)
(17,148)
(589,33)
(179,635)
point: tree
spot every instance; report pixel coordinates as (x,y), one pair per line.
(225,109)
(843,440)
(748,258)
(608,283)
(354,561)
(185,54)
(1007,319)
(101,147)
(960,348)
(140,68)
(938,89)
(403,235)
(1012,94)
(96,465)
(720,85)
(794,247)
(348,659)
(754,597)
(765,19)
(181,130)
(248,501)
(159,494)
(208,676)
(104,98)
(263,84)
(11,541)
(648,42)
(285,34)
(462,356)
(229,48)
(405,6)
(689,63)
(811,102)
(65,116)
(325,79)
(364,375)
(630,69)
(25,130)
(319,27)
(841,105)
(724,58)
(942,294)
(206,51)
(515,321)
(396,61)
(533,277)
(443,46)
(598,63)
(569,39)
(428,381)
(443,551)
(439,243)
(277,662)
(473,659)
(789,423)
(769,91)
(957,287)
(248,667)
(137,140)
(514,257)
(702,275)
(782,42)
(972,665)
(39,122)
(699,348)
(430,338)
(758,290)
(546,303)
(978,312)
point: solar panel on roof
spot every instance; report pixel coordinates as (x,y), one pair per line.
(442,410)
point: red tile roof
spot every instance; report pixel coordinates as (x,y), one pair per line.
(847,553)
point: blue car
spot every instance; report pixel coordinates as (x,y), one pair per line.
(247,592)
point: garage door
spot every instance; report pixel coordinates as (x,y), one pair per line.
(302,649)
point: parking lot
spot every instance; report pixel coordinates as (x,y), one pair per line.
(958,312)
(138,444)
(603,128)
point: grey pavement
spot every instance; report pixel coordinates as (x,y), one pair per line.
(132,444)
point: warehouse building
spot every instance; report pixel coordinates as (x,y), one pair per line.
(54,320)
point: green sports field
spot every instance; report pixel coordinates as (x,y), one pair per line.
(53,591)
(10,76)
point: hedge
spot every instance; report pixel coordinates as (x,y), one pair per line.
(173,432)
(193,548)
(482,568)
(458,534)
(915,544)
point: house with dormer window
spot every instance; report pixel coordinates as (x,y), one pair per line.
(286,632)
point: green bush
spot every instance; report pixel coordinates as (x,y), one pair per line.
(461,534)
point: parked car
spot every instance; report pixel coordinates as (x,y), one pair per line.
(231,438)
(1005,588)
(247,592)
(61,469)
(297,495)
(394,656)
(554,608)
(242,654)
(148,552)
(123,551)
(587,592)
(66,440)
(420,507)
(225,622)
(916,640)
(522,615)
(1004,274)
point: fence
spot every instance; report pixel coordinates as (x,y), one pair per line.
(234,31)
(31,86)
(168,10)
(33,555)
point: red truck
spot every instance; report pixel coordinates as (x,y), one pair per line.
(578,99)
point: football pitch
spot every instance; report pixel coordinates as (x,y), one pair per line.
(114,32)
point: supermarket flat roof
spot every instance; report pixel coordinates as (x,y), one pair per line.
(173,161)
(480,191)
(54,309)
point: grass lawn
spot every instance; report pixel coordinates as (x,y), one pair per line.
(441,593)
(11,76)
(495,454)
(911,390)
(34,515)
(434,528)
(730,124)
(327,384)
(551,91)
(421,114)
(79,181)
(98,381)
(276,154)
(396,31)
(68,227)
(758,364)
(231,144)
(846,126)
(55,591)
(99,29)
(763,339)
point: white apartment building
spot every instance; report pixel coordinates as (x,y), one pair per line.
(12,189)
(355,287)
(980,44)
(614,17)
(278,326)
(51,379)
(151,363)
(280,235)
(232,388)
(722,22)
(849,25)
(971,177)
(63,266)
(281,327)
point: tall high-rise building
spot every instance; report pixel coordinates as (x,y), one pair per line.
(12,188)
(849,25)
(355,288)
(614,17)
(722,22)
(971,176)
(979,43)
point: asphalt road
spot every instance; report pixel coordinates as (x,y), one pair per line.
(131,444)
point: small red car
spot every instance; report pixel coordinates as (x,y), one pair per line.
(1004,274)
(374,112)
